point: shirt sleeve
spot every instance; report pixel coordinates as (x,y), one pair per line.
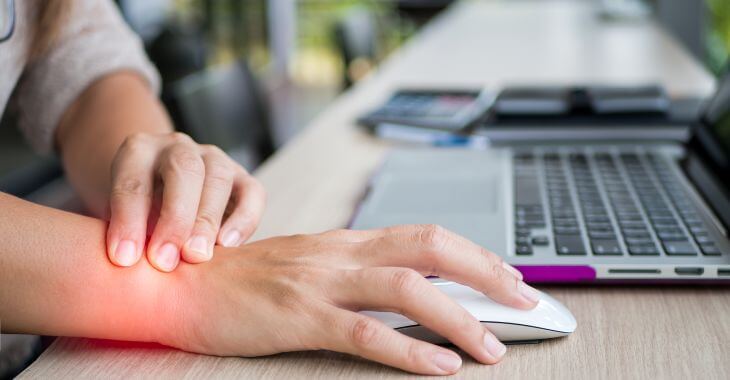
(93,42)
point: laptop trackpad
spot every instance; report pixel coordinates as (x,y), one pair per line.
(463,190)
(443,195)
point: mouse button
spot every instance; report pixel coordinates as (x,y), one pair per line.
(438,281)
(551,314)
(422,333)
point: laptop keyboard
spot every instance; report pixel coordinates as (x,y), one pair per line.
(605,204)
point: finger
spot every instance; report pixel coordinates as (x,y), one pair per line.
(250,200)
(355,236)
(432,250)
(405,291)
(217,186)
(369,338)
(358,236)
(130,201)
(182,172)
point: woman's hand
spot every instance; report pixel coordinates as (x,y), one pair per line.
(302,293)
(188,189)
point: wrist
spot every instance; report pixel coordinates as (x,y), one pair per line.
(177,308)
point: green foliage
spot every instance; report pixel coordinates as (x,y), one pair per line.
(718,40)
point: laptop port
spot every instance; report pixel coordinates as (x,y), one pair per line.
(723,271)
(689,271)
(634,271)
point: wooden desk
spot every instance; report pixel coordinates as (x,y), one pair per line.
(316,180)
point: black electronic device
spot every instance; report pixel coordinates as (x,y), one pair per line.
(449,110)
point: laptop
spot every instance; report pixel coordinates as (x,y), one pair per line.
(564,213)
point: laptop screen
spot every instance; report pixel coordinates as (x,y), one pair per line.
(708,161)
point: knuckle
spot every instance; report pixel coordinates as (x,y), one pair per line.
(364,332)
(133,146)
(495,271)
(186,161)
(208,220)
(490,258)
(219,174)
(174,217)
(126,187)
(180,137)
(213,150)
(405,282)
(433,236)
(466,323)
(135,140)
(413,353)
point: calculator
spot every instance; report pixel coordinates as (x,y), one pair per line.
(451,110)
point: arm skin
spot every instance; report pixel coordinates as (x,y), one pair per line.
(52,263)
(122,157)
(110,110)
(275,295)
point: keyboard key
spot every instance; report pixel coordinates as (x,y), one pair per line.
(643,250)
(698,231)
(523,250)
(671,236)
(522,232)
(569,245)
(694,222)
(567,230)
(669,230)
(540,240)
(605,247)
(599,226)
(679,248)
(631,224)
(529,224)
(563,213)
(598,234)
(636,233)
(639,241)
(660,214)
(597,219)
(704,240)
(564,222)
(710,249)
(629,217)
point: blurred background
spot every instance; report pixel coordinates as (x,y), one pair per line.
(248,75)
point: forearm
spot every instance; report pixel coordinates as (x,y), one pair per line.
(55,278)
(93,128)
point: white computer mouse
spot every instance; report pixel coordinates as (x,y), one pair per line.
(549,319)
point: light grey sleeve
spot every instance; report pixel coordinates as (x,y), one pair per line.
(94,42)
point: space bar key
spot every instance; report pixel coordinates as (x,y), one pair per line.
(569,245)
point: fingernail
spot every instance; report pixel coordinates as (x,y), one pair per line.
(199,244)
(512,270)
(231,238)
(529,292)
(495,348)
(449,363)
(126,253)
(167,257)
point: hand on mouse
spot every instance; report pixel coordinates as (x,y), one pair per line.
(303,293)
(188,189)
